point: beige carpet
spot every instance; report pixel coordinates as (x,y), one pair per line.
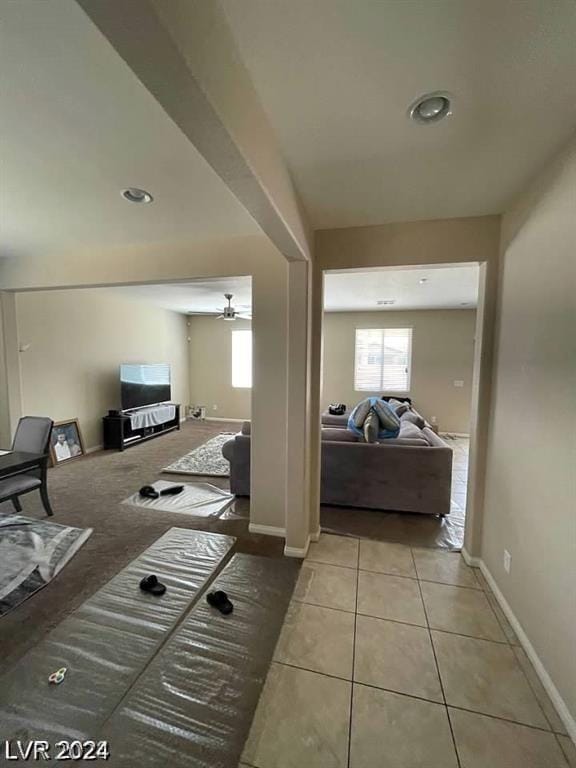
(87,494)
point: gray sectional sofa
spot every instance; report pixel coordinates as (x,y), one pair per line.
(410,473)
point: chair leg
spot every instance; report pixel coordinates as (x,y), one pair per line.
(16,503)
(46,500)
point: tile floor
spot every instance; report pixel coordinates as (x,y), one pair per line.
(399,657)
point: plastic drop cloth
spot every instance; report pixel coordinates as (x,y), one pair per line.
(107,642)
(198,499)
(194,704)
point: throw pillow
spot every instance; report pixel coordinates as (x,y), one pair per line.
(371,428)
(413,418)
(388,419)
(359,413)
(398,407)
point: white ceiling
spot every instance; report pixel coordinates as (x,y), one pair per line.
(76,127)
(454,287)
(336,78)
(201,296)
(347,291)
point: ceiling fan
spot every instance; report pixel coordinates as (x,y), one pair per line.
(229,313)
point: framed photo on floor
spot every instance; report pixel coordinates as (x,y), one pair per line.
(66,442)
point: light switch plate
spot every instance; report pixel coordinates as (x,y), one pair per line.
(458,383)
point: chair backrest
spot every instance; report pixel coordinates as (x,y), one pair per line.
(33,434)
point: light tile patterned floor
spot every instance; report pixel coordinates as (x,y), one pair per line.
(393,657)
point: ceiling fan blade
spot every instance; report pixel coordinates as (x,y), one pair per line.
(219,317)
(243,316)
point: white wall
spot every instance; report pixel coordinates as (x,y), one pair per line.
(442,352)
(211,368)
(530,500)
(78,339)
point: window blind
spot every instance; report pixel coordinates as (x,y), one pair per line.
(383,359)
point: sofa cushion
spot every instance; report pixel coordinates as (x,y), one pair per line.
(371,427)
(412,418)
(339,435)
(228,449)
(247,428)
(398,407)
(360,413)
(330,420)
(387,417)
(410,431)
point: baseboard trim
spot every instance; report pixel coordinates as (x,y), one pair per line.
(219,418)
(545,679)
(267,530)
(316,536)
(94,449)
(300,552)
(469,559)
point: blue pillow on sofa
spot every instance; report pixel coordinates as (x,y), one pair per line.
(369,406)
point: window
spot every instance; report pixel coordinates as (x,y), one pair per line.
(383,359)
(242,359)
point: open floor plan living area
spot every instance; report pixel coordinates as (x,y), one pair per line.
(287,383)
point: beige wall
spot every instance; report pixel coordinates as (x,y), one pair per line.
(78,339)
(442,351)
(253,255)
(211,368)
(530,501)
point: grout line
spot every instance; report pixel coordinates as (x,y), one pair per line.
(531,686)
(564,754)
(332,565)
(353,654)
(437,665)
(419,698)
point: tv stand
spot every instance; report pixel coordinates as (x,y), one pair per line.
(119,434)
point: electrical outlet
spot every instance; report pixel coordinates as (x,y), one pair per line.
(458,383)
(507,561)
(214,407)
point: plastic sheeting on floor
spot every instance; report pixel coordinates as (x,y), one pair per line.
(193,706)
(198,499)
(107,642)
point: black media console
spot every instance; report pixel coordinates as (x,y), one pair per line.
(119,435)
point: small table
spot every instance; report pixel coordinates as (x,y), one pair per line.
(17,462)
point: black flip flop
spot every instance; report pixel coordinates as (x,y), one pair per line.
(173,490)
(149,492)
(151,584)
(220,601)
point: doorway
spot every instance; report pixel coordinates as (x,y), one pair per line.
(407,334)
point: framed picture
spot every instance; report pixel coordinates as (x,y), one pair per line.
(66,442)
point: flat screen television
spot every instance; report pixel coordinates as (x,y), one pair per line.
(145,384)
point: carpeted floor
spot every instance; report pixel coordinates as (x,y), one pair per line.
(87,494)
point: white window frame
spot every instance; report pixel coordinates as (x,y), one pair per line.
(239,378)
(383,389)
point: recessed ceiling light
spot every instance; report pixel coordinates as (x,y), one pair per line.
(431,107)
(135,195)
(464,303)
(423,280)
(382,302)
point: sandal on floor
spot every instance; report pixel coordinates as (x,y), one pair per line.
(220,601)
(173,490)
(149,492)
(151,584)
